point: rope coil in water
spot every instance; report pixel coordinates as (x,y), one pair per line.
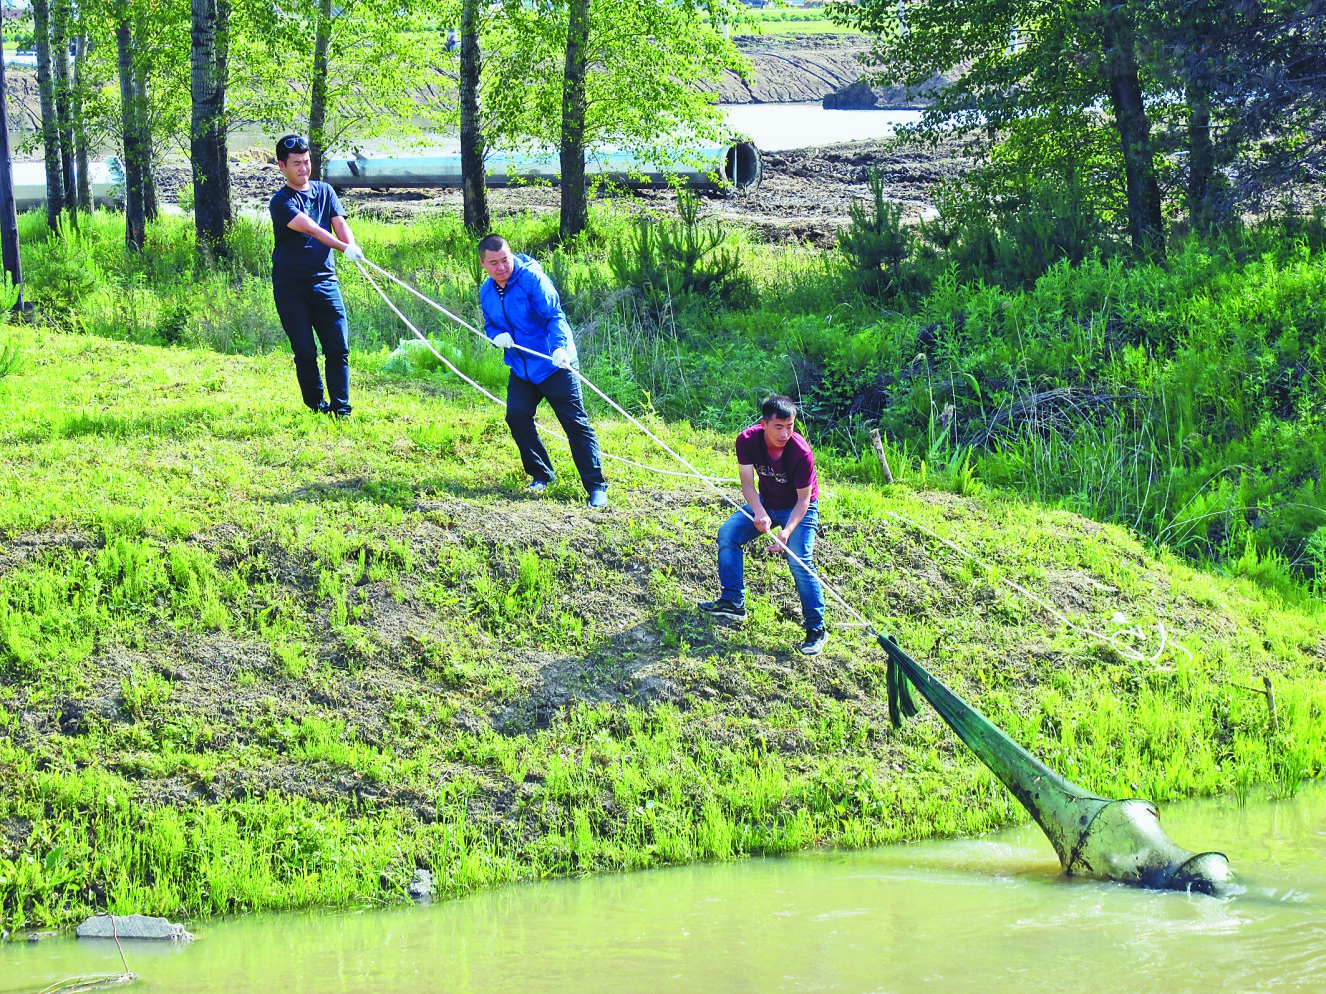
(710,481)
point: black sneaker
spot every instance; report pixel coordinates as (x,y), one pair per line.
(814,644)
(724,608)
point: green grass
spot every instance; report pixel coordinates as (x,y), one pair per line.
(793,21)
(1188,391)
(252,658)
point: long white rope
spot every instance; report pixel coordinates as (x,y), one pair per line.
(695,473)
(465,324)
(1111,640)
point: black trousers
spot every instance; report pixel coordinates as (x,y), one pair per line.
(562,392)
(305,308)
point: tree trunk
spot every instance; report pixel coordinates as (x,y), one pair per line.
(135,222)
(1145,225)
(211,213)
(63,108)
(317,111)
(1201,159)
(575,198)
(474,185)
(84,198)
(223,8)
(9,256)
(50,126)
(143,119)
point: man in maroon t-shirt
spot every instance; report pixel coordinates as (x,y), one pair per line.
(788,496)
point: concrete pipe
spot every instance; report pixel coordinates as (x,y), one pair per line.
(106,176)
(737,165)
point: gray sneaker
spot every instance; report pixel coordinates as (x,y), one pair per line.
(724,608)
(814,644)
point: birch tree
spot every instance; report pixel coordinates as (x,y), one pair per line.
(343,72)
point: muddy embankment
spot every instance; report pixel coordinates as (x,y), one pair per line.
(801,68)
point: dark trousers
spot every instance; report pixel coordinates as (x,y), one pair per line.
(305,308)
(562,392)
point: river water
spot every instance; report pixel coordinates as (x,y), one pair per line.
(776,127)
(989,915)
(773,127)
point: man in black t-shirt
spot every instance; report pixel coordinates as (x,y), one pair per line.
(308,222)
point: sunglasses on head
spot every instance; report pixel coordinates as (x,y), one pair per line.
(295,143)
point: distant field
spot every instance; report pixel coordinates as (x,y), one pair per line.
(776,21)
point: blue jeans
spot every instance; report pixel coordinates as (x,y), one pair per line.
(738,530)
(305,308)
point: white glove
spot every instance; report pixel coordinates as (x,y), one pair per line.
(353,253)
(560,358)
(503,341)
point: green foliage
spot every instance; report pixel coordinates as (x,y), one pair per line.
(381,69)
(63,275)
(142,690)
(640,96)
(11,356)
(1003,229)
(878,243)
(685,256)
(527,605)
(1180,379)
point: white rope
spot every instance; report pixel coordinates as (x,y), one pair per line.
(491,396)
(695,473)
(1111,640)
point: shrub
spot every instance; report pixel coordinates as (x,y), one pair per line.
(877,243)
(11,356)
(62,273)
(237,319)
(668,258)
(1012,236)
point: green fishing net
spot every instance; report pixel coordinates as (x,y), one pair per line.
(1093,836)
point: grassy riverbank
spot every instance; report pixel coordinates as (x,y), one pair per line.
(253,658)
(1179,399)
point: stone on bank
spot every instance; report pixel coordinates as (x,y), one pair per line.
(132,927)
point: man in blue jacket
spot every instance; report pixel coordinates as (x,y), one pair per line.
(521,307)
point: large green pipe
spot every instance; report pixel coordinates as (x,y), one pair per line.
(1093,836)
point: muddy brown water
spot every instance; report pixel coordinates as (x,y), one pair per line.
(988,915)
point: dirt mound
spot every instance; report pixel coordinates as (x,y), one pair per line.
(790,68)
